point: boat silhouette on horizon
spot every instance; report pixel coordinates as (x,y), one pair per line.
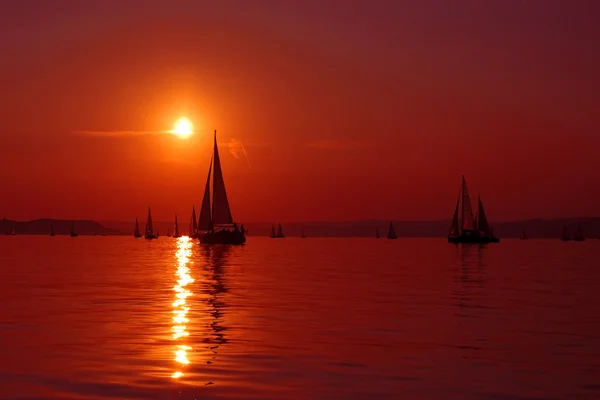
(392,232)
(216,225)
(136,230)
(149,231)
(467,228)
(279,234)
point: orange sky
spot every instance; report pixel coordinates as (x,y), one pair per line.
(369,111)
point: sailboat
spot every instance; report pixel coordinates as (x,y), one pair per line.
(302,236)
(72,233)
(149,232)
(176,229)
(377,233)
(52,230)
(215,225)
(193,224)
(578,236)
(392,232)
(136,231)
(279,234)
(565,237)
(465,227)
(523,235)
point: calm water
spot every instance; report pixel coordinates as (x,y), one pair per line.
(116,317)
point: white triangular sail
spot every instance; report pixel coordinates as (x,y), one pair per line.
(205,220)
(221,213)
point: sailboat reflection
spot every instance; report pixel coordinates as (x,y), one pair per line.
(213,288)
(471,278)
(180,305)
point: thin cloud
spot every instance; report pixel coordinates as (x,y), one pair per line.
(237,149)
(339,144)
(119,133)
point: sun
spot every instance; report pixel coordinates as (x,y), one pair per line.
(183,128)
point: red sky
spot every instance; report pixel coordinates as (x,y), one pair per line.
(354,110)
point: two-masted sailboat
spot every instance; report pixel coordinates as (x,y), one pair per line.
(279,234)
(149,231)
(176,234)
(215,225)
(136,230)
(392,232)
(467,228)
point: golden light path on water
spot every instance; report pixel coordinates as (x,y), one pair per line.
(180,307)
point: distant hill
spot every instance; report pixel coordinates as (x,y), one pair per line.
(534,228)
(61,227)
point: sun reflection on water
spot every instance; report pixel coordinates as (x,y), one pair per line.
(180,307)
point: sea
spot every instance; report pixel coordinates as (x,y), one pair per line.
(317,318)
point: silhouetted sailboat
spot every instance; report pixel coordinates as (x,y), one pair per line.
(193,224)
(279,234)
(149,231)
(392,232)
(377,233)
(72,233)
(523,235)
(565,237)
(302,236)
(136,230)
(578,236)
(52,230)
(465,227)
(176,229)
(216,220)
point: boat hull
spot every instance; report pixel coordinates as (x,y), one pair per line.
(151,237)
(473,239)
(222,237)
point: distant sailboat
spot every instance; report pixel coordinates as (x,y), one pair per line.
(149,231)
(218,214)
(136,231)
(72,233)
(279,234)
(523,235)
(193,224)
(392,232)
(465,227)
(578,236)
(302,236)
(52,230)
(176,229)
(377,233)
(565,237)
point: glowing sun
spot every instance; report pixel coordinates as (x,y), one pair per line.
(183,128)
